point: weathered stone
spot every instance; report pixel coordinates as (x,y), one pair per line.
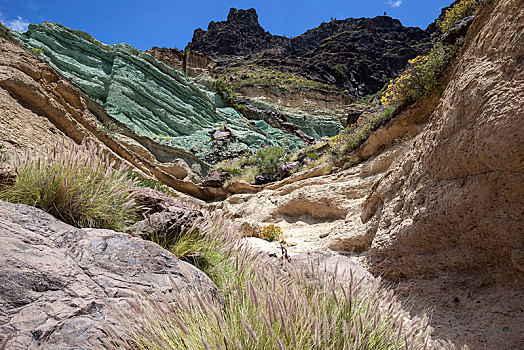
(333,265)
(262,179)
(459,30)
(152,201)
(216,178)
(62,287)
(454,201)
(287,168)
(271,249)
(168,224)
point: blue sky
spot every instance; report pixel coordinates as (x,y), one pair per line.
(147,23)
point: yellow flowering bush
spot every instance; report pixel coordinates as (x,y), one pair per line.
(422,75)
(460,10)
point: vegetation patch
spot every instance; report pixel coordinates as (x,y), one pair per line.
(272,306)
(457,12)
(75,185)
(265,162)
(272,233)
(256,74)
(144,182)
(422,76)
(229,96)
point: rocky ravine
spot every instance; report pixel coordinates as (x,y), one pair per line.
(441,213)
(39,107)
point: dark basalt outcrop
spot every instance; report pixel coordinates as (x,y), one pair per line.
(356,54)
(239,35)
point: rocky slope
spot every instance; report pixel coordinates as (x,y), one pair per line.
(358,55)
(39,107)
(65,288)
(149,97)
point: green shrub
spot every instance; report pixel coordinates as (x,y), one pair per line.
(75,185)
(459,11)
(111,127)
(143,182)
(270,305)
(272,233)
(312,155)
(268,159)
(37,52)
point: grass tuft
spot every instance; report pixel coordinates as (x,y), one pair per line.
(75,185)
(270,305)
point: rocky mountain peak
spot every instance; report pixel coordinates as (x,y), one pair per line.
(240,34)
(248,17)
(354,54)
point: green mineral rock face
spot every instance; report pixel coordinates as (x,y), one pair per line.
(151,98)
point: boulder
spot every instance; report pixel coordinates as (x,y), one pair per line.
(167,224)
(332,264)
(271,249)
(64,288)
(287,168)
(262,179)
(152,201)
(216,178)
(459,30)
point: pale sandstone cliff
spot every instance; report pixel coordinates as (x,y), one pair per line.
(441,213)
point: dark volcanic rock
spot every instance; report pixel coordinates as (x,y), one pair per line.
(216,178)
(240,35)
(459,30)
(152,201)
(286,169)
(357,54)
(262,179)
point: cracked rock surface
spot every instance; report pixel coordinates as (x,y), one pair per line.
(60,286)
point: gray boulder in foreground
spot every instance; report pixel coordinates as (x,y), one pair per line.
(56,281)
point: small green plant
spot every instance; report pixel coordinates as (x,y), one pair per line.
(37,52)
(313,155)
(272,233)
(351,162)
(459,11)
(145,182)
(229,96)
(111,127)
(75,185)
(266,161)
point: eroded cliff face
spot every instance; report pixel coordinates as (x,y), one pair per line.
(38,107)
(152,99)
(455,200)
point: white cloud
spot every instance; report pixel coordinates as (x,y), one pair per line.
(395,3)
(18,24)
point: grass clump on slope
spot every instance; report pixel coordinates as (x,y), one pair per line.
(75,185)
(271,305)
